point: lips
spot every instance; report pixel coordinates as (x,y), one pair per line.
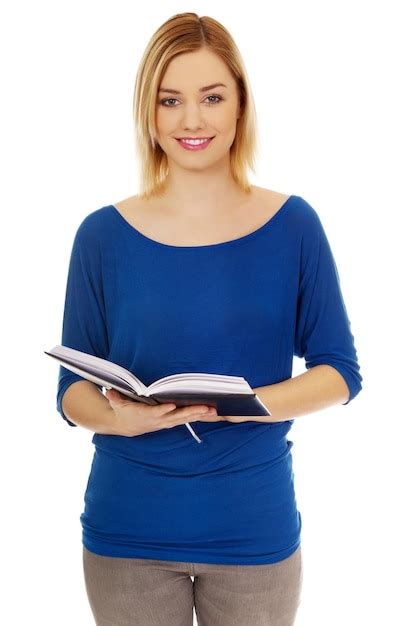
(192,138)
(201,145)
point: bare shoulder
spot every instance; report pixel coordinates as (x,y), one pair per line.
(139,212)
(269,198)
(271,193)
(126,205)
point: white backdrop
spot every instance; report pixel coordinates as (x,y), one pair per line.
(334,89)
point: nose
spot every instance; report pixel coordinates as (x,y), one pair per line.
(192,118)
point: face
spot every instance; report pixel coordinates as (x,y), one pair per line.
(186,110)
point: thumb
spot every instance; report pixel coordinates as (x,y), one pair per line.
(112,394)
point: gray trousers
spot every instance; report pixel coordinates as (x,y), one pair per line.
(145,592)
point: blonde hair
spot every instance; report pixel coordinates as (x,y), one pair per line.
(187,32)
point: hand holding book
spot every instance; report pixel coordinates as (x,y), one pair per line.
(229,395)
(134,418)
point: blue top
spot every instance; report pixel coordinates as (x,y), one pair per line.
(243,307)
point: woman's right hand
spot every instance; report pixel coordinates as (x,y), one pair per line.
(136,418)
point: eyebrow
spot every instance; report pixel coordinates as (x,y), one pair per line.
(207,88)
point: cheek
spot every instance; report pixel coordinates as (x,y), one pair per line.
(163,121)
(224,120)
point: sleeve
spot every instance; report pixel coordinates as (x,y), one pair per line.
(323,330)
(84,321)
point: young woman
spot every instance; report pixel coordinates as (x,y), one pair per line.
(200,272)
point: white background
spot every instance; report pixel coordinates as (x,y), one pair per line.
(334,85)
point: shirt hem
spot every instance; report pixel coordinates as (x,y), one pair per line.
(186,557)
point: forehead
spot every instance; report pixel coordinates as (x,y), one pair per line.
(194,70)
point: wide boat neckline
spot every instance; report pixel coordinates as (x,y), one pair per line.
(230,242)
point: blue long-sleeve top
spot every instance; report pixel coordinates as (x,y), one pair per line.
(243,307)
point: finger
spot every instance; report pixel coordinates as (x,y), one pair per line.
(203,418)
(166,407)
(111,394)
(118,399)
(210,416)
(186,412)
(189,414)
(116,396)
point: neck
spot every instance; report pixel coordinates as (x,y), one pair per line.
(205,193)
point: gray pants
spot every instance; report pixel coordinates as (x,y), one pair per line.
(145,592)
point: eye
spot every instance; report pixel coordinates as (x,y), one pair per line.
(163,102)
(219,99)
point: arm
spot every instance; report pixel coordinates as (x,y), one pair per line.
(322,337)
(84,328)
(84,405)
(318,388)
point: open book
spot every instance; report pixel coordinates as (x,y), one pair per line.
(230,395)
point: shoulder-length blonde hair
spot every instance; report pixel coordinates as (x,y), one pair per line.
(187,32)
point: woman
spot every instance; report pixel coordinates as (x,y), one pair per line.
(200,272)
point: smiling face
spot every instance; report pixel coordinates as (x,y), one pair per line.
(198,98)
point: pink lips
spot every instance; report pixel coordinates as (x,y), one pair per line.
(199,146)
